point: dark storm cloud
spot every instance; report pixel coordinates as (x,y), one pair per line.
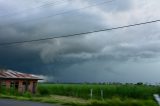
(94,57)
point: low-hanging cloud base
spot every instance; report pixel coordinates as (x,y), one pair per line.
(125,55)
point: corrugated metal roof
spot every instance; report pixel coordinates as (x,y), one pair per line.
(16,75)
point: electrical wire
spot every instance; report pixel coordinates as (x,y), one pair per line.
(40,6)
(79,34)
(47,3)
(61,13)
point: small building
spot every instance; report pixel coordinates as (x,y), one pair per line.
(21,82)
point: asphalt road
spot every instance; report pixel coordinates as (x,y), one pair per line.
(9,102)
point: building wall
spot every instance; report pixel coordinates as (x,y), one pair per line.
(23,85)
(8,84)
(33,86)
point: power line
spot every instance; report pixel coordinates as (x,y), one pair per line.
(79,34)
(65,12)
(47,3)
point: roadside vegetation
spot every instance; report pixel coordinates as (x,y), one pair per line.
(90,94)
(108,90)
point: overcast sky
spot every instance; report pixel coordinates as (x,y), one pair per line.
(123,55)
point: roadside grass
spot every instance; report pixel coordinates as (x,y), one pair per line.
(72,101)
(79,94)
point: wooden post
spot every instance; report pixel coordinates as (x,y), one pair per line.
(20,87)
(34,87)
(91,93)
(101,94)
(8,84)
(30,86)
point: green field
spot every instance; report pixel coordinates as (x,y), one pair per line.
(80,94)
(113,94)
(109,91)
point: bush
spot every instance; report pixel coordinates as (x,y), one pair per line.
(27,94)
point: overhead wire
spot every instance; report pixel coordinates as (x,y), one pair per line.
(62,13)
(79,34)
(31,8)
(47,3)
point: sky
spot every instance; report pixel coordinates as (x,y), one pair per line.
(127,55)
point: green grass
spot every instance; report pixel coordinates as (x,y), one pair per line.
(71,101)
(79,94)
(109,91)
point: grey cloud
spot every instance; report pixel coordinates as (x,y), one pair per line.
(117,6)
(94,57)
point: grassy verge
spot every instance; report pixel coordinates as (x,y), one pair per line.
(72,101)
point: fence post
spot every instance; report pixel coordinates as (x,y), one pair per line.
(101,94)
(91,93)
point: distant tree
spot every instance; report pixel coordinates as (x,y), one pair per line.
(139,83)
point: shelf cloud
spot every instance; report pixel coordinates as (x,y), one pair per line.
(123,55)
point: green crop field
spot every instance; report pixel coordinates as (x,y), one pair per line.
(99,91)
(80,94)
(105,94)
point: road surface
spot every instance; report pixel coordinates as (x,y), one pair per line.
(9,102)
